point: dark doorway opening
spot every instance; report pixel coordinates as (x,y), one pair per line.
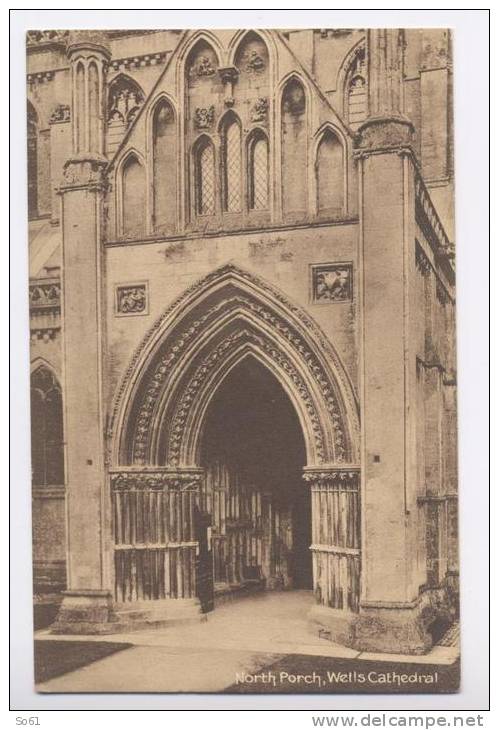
(260,507)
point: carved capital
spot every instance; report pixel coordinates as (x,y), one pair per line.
(154,479)
(228,74)
(83,42)
(333,477)
(84,171)
(385,133)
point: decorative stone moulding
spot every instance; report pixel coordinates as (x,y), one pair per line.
(131,299)
(40,77)
(43,38)
(61,114)
(45,295)
(148,59)
(332,283)
(328,437)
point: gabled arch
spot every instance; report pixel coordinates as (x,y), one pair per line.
(231,313)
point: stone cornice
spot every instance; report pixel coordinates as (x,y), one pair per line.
(249,231)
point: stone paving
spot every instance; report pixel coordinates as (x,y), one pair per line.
(241,636)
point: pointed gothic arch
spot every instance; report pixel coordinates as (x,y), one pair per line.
(229,315)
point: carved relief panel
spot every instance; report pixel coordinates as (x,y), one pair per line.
(332,283)
(131,299)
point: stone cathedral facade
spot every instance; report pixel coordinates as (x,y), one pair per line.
(242,326)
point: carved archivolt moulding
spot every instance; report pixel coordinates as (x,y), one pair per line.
(160,401)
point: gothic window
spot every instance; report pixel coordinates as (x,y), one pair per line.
(164,167)
(356,89)
(258,159)
(231,165)
(32,162)
(134,198)
(125,98)
(330,174)
(294,150)
(47,454)
(204,177)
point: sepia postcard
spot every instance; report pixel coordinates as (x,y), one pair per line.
(243,364)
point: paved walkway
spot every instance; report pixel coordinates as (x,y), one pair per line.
(238,637)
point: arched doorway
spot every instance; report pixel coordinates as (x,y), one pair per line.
(233,355)
(253,454)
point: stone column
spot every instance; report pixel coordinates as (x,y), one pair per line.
(390,608)
(87,604)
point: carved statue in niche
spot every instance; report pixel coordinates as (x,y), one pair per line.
(203,117)
(358,65)
(204,67)
(255,62)
(260,109)
(125,100)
